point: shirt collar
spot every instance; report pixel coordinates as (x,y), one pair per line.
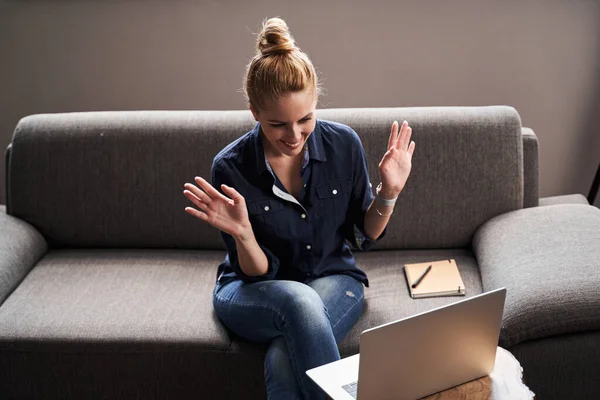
(315,144)
(259,152)
(313,149)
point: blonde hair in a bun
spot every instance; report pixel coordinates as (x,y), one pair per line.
(275,38)
(279,67)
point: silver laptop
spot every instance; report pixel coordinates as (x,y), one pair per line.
(420,355)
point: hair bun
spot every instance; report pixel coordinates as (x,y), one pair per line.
(275,38)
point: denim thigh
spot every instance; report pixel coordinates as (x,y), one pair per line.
(240,305)
(343,297)
(256,311)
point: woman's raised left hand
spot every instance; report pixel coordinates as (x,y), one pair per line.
(394,167)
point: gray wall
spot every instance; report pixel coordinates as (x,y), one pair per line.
(542,57)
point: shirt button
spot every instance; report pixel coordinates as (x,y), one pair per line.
(303,216)
(266,208)
(308,247)
(334,191)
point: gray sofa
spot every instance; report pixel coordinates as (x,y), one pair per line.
(106,282)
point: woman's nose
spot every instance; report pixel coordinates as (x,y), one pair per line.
(296,133)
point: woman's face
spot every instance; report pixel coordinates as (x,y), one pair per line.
(287,123)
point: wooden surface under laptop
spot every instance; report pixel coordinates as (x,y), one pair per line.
(504,383)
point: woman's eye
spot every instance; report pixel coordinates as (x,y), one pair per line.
(302,121)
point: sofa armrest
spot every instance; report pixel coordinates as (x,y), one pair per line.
(21,246)
(531,190)
(575,198)
(548,258)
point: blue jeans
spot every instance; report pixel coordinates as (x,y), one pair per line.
(303,322)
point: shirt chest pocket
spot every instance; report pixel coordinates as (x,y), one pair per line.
(333,198)
(266,216)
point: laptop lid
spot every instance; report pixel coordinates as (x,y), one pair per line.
(432,351)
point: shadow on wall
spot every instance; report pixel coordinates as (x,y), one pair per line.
(592,129)
(593,197)
(592,126)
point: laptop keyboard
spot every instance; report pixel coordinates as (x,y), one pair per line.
(351,388)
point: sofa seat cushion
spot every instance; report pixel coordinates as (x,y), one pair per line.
(116,300)
(548,258)
(388,299)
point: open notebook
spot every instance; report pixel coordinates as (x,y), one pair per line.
(442,280)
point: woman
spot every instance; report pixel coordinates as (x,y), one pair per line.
(293,190)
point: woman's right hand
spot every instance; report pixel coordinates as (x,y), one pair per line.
(228,214)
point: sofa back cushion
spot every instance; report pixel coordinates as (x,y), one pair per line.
(115,179)
(467,168)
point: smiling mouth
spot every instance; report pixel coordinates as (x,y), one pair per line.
(291,145)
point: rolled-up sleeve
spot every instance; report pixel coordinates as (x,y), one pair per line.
(232,258)
(219,178)
(360,200)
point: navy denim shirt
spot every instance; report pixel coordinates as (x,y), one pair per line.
(308,237)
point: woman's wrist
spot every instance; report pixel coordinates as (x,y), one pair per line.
(244,233)
(385,196)
(382,212)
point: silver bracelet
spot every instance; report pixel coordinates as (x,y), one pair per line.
(383,215)
(384,202)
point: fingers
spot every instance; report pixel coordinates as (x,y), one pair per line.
(197,202)
(393,135)
(199,198)
(411,149)
(196,192)
(400,136)
(196,213)
(204,209)
(231,192)
(404,136)
(209,189)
